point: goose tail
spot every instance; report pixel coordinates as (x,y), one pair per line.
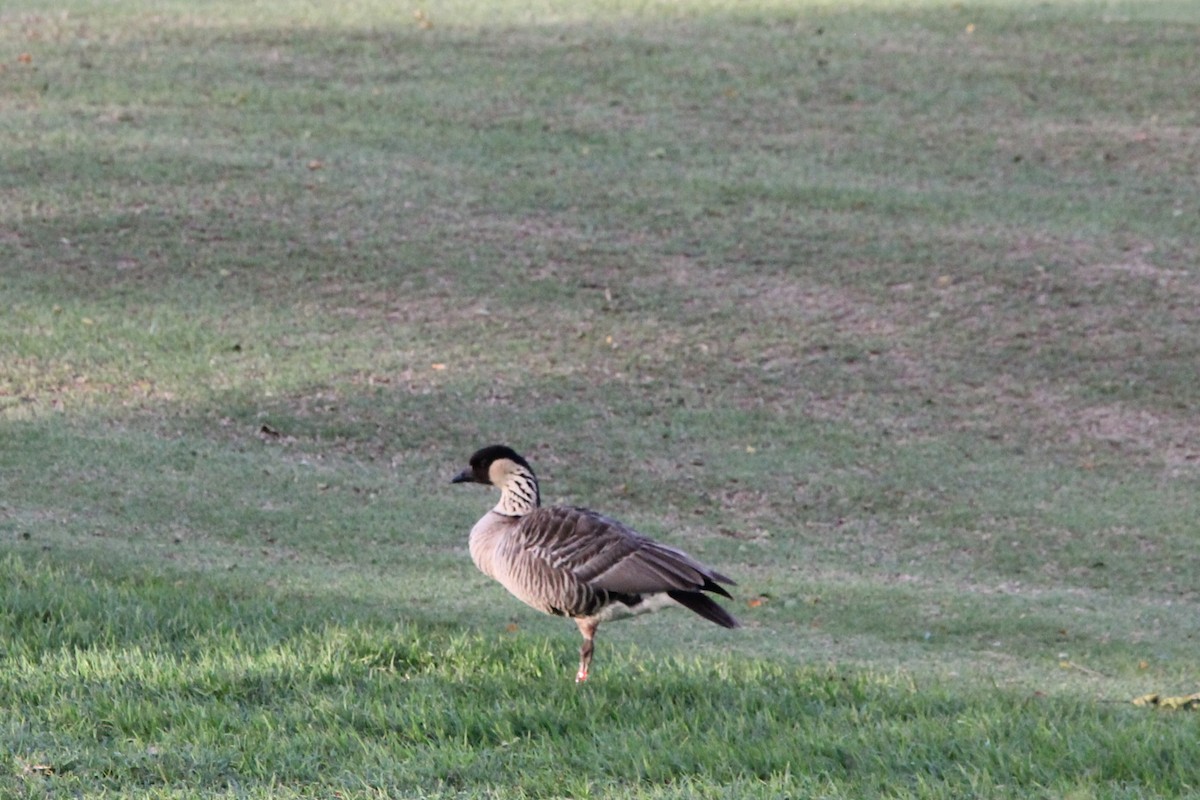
(704,606)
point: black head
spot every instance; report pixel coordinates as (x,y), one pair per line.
(482,460)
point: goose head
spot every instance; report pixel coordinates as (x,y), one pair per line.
(500,466)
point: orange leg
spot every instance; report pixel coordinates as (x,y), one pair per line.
(587,627)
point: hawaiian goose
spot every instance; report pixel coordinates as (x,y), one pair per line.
(572,562)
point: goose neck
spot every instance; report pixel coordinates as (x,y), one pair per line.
(518,495)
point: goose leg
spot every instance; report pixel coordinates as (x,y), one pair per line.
(587,627)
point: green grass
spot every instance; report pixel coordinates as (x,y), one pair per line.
(885,309)
(160,686)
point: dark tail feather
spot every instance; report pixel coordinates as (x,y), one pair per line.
(704,606)
(710,586)
(719,578)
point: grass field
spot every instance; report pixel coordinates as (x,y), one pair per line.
(888,310)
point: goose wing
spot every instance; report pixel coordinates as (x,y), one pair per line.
(602,554)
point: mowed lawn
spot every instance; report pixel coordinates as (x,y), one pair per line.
(890,311)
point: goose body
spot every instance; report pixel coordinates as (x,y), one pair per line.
(577,563)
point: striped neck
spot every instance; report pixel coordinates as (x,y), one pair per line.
(518,494)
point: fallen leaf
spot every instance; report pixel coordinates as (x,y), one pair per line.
(1187,702)
(25,58)
(437,367)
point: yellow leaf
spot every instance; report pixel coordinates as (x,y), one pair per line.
(1182,702)
(1188,702)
